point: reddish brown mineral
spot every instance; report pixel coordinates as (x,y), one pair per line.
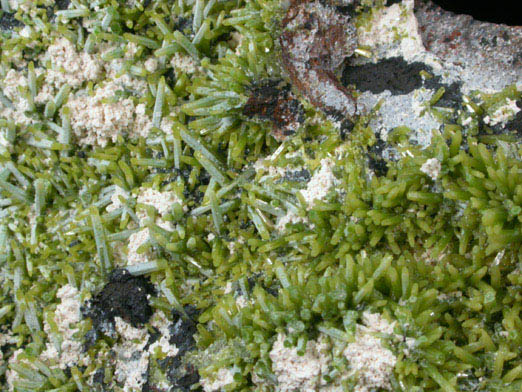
(270,101)
(315,41)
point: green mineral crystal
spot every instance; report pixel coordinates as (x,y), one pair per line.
(176,212)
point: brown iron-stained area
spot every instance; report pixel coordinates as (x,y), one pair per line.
(315,41)
(270,101)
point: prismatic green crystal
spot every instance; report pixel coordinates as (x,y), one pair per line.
(176,212)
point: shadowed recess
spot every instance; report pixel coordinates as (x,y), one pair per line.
(503,12)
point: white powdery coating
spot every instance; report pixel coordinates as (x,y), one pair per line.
(26,32)
(4,143)
(7,338)
(296,372)
(142,120)
(131,361)
(94,122)
(160,321)
(143,123)
(135,241)
(184,63)
(68,311)
(265,165)
(161,201)
(45,94)
(151,64)
(372,362)
(115,199)
(12,82)
(115,72)
(242,301)
(10,375)
(134,3)
(128,332)
(66,315)
(69,66)
(228,288)
(18,116)
(321,182)
(374,322)
(222,378)
(131,372)
(432,168)
(11,85)
(395,25)
(428,258)
(131,50)
(503,114)
(273,171)
(290,217)
(170,350)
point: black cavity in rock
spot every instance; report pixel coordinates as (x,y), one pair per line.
(517,58)
(346,128)
(98,384)
(59,5)
(250,283)
(123,296)
(183,329)
(98,376)
(505,13)
(346,9)
(342,6)
(90,339)
(516,123)
(183,24)
(335,115)
(251,280)
(302,175)
(393,74)
(148,387)
(154,336)
(8,22)
(74,243)
(258,279)
(204,177)
(452,95)
(180,372)
(245,224)
(62,4)
(376,162)
(183,376)
(170,77)
(400,77)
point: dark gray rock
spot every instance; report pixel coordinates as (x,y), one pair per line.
(486,56)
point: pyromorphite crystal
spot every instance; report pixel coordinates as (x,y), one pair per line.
(258,196)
